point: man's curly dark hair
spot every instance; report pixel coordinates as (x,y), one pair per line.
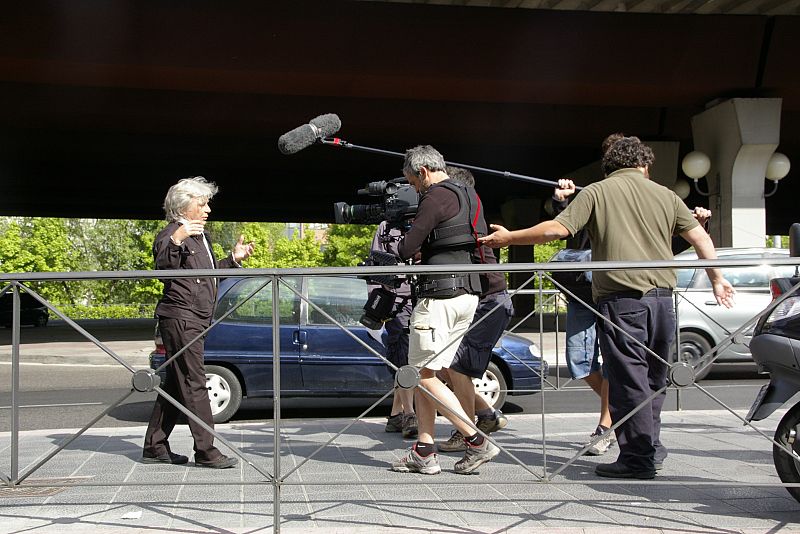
(627,153)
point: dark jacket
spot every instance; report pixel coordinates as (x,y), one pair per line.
(191,299)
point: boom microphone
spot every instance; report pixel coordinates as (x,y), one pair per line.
(308,134)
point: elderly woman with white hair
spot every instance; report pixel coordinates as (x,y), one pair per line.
(184,311)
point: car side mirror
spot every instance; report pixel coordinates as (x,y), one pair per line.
(794,240)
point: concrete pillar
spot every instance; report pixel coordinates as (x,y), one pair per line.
(739,136)
(521,213)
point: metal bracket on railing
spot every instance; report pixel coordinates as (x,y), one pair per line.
(407,377)
(145,380)
(681,374)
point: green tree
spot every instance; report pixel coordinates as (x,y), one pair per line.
(348,244)
(296,252)
(116,245)
(35,244)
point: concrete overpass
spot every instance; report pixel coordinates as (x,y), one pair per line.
(103,105)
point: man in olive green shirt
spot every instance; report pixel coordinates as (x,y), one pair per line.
(630,218)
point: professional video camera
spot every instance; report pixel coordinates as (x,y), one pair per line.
(380,306)
(398,205)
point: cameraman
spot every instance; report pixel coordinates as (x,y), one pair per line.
(475,350)
(442,232)
(402,417)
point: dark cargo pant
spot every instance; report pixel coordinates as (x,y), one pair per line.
(633,373)
(186,382)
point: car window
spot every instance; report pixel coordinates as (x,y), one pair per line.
(684,277)
(756,276)
(258,309)
(341,298)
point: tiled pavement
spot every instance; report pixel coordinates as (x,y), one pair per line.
(719,477)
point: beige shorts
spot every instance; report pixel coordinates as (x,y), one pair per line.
(436,329)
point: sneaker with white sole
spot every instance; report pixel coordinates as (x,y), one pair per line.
(474,457)
(487,425)
(602,446)
(414,463)
(454,444)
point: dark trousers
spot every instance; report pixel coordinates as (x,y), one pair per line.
(186,382)
(634,374)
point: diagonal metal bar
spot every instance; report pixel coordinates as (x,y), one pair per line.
(193,417)
(333,438)
(710,395)
(212,325)
(615,327)
(80,329)
(729,339)
(343,328)
(473,426)
(616,425)
(472,325)
(61,446)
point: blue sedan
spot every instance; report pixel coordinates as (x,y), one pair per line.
(317,357)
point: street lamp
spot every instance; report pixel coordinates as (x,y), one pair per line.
(696,164)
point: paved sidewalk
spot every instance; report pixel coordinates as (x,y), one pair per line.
(719,477)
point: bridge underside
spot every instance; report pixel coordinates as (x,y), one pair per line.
(104,105)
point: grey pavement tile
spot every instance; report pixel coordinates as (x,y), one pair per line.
(334,508)
(741,492)
(346,523)
(677,515)
(766,504)
(567,514)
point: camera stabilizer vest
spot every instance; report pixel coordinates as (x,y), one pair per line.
(452,242)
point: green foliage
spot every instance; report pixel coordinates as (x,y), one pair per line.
(39,245)
(296,252)
(348,244)
(784,241)
(111,311)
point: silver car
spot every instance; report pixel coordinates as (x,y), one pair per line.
(704,323)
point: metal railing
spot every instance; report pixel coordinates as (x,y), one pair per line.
(146,380)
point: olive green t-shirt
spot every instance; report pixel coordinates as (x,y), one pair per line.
(628,218)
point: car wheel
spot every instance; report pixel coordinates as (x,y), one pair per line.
(492,386)
(41,320)
(693,347)
(788,467)
(224,392)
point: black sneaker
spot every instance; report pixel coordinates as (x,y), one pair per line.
(620,470)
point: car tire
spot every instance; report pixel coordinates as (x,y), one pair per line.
(492,386)
(224,392)
(693,346)
(41,320)
(788,468)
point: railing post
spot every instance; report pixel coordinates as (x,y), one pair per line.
(15,339)
(541,381)
(276,402)
(678,400)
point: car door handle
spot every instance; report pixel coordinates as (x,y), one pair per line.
(712,303)
(300,337)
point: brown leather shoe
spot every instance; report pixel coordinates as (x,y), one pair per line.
(166,458)
(223,462)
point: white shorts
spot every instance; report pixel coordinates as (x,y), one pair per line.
(436,329)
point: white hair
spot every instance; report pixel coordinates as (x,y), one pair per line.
(181,195)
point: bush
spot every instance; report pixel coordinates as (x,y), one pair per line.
(110,311)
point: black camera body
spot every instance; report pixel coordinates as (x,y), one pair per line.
(380,306)
(397,206)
